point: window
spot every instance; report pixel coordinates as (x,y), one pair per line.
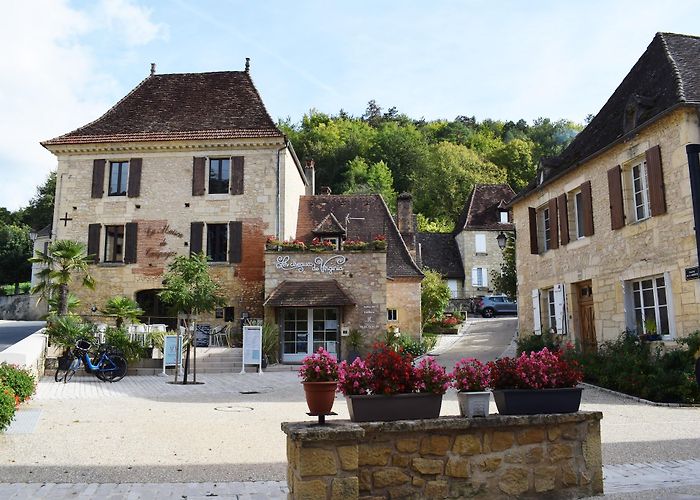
(650,306)
(546,231)
(334,240)
(640,191)
(480,243)
(392,315)
(479,277)
(578,214)
(551,311)
(118,173)
(219,173)
(114,244)
(217,235)
(504,217)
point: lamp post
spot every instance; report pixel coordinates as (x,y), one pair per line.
(502,239)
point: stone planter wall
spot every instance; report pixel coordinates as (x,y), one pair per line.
(557,456)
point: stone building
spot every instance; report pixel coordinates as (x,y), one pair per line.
(605,238)
(318,298)
(183,163)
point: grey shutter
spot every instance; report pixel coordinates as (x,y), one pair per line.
(587,202)
(533,230)
(617,209)
(196,230)
(237,175)
(235,242)
(553,224)
(198,171)
(130,237)
(655,175)
(563,219)
(93,246)
(98,178)
(134,189)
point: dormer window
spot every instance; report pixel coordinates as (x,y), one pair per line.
(334,240)
(504,217)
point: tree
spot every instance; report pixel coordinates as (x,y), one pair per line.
(434,295)
(122,308)
(516,157)
(39,213)
(404,150)
(190,289)
(506,281)
(15,250)
(441,225)
(371,179)
(61,262)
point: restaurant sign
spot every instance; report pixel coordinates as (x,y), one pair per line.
(322,265)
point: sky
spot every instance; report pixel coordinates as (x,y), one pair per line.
(65,62)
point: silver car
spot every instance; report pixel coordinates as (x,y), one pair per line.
(491,305)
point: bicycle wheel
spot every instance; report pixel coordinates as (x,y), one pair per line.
(112,368)
(60,374)
(74,367)
(120,371)
(63,368)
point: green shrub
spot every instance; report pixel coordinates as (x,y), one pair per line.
(65,331)
(21,381)
(429,341)
(118,339)
(270,341)
(535,343)
(7,406)
(413,347)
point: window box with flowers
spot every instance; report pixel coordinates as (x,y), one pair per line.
(354,245)
(322,245)
(379,242)
(319,374)
(471,378)
(539,382)
(385,386)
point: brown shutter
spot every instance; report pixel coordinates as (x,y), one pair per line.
(235,241)
(237,175)
(130,237)
(93,246)
(134,189)
(563,219)
(617,210)
(533,231)
(655,175)
(196,230)
(98,178)
(553,224)
(198,171)
(587,202)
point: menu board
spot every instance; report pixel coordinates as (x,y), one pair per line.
(252,347)
(172,351)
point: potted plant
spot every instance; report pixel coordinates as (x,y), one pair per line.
(379,242)
(272,243)
(354,245)
(321,245)
(538,382)
(471,378)
(319,374)
(354,343)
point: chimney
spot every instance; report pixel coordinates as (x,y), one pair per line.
(325,190)
(153,69)
(310,173)
(247,64)
(405,220)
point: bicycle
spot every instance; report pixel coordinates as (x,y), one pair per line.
(109,367)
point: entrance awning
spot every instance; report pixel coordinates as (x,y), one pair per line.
(308,294)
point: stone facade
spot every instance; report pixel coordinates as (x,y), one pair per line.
(490,260)
(403,294)
(662,245)
(553,456)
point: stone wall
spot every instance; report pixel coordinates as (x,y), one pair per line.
(552,456)
(491,260)
(22,307)
(403,294)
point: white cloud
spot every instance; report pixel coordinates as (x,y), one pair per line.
(133,21)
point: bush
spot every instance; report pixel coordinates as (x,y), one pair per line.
(429,341)
(8,404)
(413,347)
(65,331)
(535,343)
(270,341)
(21,381)
(118,340)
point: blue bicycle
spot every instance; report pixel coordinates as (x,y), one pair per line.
(107,366)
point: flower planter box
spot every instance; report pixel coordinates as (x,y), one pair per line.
(536,401)
(474,403)
(380,408)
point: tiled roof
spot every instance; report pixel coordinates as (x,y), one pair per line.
(187,106)
(666,75)
(440,253)
(482,208)
(367,216)
(308,294)
(329,225)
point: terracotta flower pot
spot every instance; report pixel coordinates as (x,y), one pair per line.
(320,396)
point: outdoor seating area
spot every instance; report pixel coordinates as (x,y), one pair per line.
(137,332)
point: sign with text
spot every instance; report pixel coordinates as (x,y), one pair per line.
(321,265)
(252,347)
(692,273)
(202,336)
(172,350)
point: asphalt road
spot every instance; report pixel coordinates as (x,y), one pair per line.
(485,340)
(12,332)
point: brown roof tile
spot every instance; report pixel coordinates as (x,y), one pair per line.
(439,252)
(482,208)
(329,225)
(308,294)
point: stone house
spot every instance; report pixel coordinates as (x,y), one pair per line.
(317,299)
(605,231)
(183,163)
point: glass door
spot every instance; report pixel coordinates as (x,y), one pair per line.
(305,330)
(325,330)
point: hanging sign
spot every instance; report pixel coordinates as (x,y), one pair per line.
(172,351)
(321,265)
(252,347)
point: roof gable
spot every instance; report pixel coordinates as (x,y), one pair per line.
(482,210)
(329,225)
(439,252)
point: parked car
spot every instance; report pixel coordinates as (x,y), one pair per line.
(491,305)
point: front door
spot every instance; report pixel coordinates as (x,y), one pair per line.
(304,330)
(587,335)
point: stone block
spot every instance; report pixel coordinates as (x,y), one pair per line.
(559,451)
(310,490)
(534,455)
(428,466)
(345,487)
(390,476)
(436,489)
(502,440)
(467,445)
(317,462)
(457,467)
(434,445)
(407,445)
(554,433)
(545,478)
(568,475)
(418,482)
(514,457)
(401,460)
(570,432)
(531,436)
(514,481)
(348,456)
(405,491)
(490,464)
(365,478)
(373,455)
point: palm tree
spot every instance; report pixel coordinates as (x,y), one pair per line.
(63,259)
(123,308)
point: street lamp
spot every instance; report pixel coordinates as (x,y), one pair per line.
(502,240)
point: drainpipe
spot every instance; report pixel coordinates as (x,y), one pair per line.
(278,222)
(693,152)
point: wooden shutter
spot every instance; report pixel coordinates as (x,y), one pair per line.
(617,209)
(134,189)
(563,219)
(93,246)
(536,317)
(98,178)
(237,175)
(655,176)
(533,230)
(198,171)
(235,241)
(196,230)
(130,239)
(553,224)
(560,308)
(587,202)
